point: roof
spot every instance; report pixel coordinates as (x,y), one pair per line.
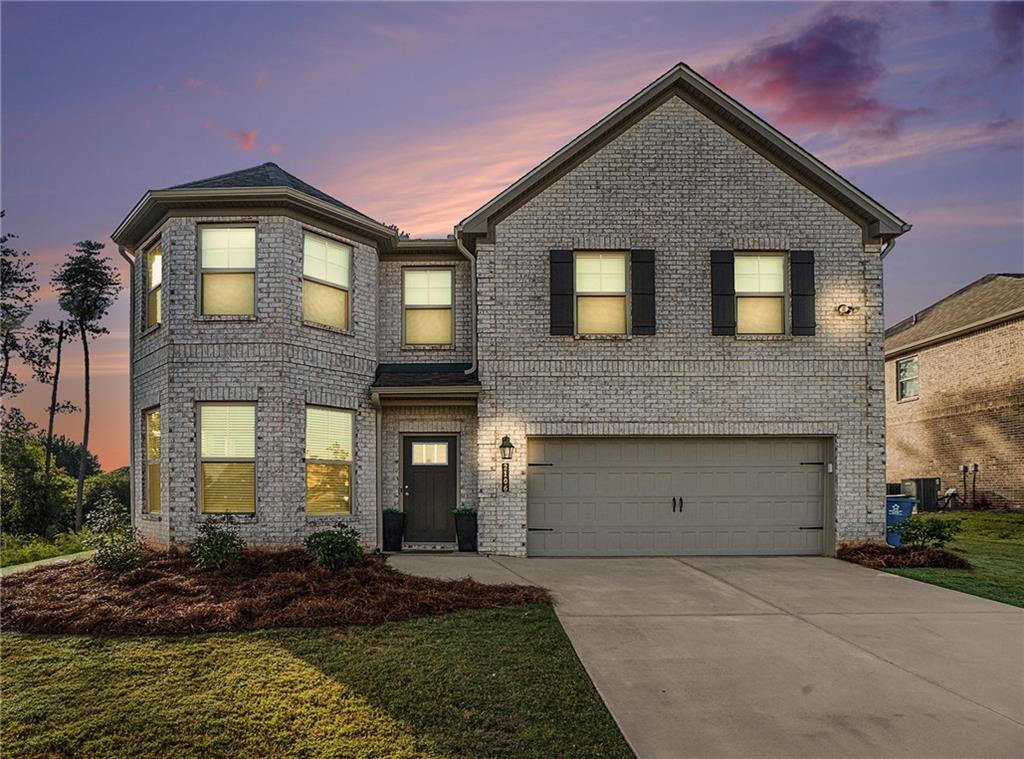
(424,375)
(993,299)
(878,222)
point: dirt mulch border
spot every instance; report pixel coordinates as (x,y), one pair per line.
(884,556)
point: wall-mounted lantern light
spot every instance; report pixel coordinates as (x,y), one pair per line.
(845,309)
(506,448)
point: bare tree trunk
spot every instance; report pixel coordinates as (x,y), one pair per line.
(7,365)
(53,403)
(85,433)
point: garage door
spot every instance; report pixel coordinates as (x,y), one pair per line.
(675,496)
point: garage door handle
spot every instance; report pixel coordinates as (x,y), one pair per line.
(680,504)
(673,504)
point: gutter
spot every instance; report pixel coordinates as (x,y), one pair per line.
(131,388)
(891,242)
(472,296)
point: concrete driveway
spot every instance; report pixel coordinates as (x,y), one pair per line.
(787,657)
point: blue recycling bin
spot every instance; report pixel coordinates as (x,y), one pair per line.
(898,508)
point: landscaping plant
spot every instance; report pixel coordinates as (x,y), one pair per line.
(920,532)
(217,545)
(336,548)
(118,544)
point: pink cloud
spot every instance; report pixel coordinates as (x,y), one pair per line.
(193,84)
(273,148)
(196,84)
(245,141)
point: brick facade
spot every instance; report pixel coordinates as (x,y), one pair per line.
(969,410)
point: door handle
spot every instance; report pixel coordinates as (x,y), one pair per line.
(406,491)
(680,504)
(673,504)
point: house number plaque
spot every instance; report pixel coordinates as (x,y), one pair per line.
(504,478)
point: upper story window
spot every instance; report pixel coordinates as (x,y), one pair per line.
(227,455)
(154,276)
(600,280)
(328,460)
(428,317)
(760,294)
(908,380)
(152,470)
(326,266)
(228,264)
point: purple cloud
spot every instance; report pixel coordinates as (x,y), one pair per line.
(1006,20)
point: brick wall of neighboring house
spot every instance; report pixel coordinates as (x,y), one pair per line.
(970,409)
(273,359)
(678,183)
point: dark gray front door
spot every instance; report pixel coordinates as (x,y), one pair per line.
(430,487)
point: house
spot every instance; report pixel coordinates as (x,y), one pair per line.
(674,323)
(955,392)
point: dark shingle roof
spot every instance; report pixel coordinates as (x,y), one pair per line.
(982,300)
(265,175)
(425,375)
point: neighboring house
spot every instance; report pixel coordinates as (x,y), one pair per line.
(651,317)
(955,391)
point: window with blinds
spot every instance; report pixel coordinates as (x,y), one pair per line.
(154,277)
(152,469)
(228,264)
(328,460)
(227,451)
(760,294)
(600,293)
(428,317)
(326,266)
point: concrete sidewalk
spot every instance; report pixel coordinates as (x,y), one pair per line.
(787,657)
(15,568)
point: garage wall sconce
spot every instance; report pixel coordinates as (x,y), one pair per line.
(845,309)
(506,449)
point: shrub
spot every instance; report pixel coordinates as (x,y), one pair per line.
(216,546)
(334,549)
(118,544)
(925,532)
(464,511)
(19,549)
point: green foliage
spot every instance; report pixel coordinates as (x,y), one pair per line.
(922,532)
(18,289)
(87,284)
(21,549)
(336,548)
(216,546)
(118,544)
(66,454)
(464,511)
(31,505)
(115,484)
(996,526)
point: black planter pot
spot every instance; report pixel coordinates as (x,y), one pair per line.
(394,528)
(465,528)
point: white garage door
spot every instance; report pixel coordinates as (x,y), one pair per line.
(675,496)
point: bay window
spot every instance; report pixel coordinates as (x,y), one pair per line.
(228,265)
(227,458)
(325,281)
(154,277)
(151,473)
(328,461)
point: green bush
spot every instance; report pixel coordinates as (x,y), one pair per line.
(217,546)
(334,549)
(20,549)
(926,532)
(118,544)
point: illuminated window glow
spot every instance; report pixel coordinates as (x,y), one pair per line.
(326,268)
(427,306)
(152,470)
(328,460)
(228,263)
(760,282)
(227,458)
(600,293)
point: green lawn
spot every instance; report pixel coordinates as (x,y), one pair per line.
(994,543)
(494,683)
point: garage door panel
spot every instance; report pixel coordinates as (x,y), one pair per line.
(606,496)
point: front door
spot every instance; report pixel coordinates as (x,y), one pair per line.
(430,487)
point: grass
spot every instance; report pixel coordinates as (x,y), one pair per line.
(994,543)
(492,682)
(21,549)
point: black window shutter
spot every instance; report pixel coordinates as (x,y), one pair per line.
(723,293)
(561,292)
(801,287)
(641,271)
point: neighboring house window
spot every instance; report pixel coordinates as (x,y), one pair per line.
(325,281)
(228,271)
(760,294)
(152,470)
(154,276)
(427,304)
(600,280)
(908,380)
(328,461)
(227,458)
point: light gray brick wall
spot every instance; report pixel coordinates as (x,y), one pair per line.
(679,184)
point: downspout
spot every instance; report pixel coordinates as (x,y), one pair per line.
(472,296)
(891,242)
(375,402)
(131,383)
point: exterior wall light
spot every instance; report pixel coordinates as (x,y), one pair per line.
(845,309)
(506,448)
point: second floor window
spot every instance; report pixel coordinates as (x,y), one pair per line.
(600,293)
(154,276)
(908,378)
(760,294)
(227,456)
(325,281)
(228,264)
(428,317)
(152,472)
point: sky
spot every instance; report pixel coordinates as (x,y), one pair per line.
(417,114)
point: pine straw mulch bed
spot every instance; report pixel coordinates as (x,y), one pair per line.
(883,556)
(166,595)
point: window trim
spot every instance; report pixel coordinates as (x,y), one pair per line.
(626,295)
(916,359)
(247,515)
(317,280)
(147,512)
(200,271)
(785,294)
(149,289)
(429,346)
(351,464)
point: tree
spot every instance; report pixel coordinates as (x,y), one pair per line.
(50,339)
(32,504)
(17,297)
(67,453)
(86,284)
